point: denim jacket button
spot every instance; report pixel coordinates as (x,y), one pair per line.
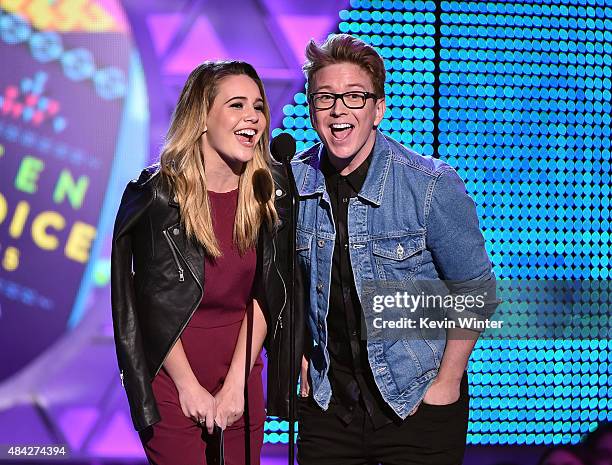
(320,242)
(320,287)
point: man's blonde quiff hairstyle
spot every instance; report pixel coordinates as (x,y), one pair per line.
(344,48)
(183,168)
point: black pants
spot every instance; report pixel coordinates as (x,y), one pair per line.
(434,435)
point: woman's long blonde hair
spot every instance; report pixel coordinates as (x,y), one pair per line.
(182,162)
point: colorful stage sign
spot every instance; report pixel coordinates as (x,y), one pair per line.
(62,88)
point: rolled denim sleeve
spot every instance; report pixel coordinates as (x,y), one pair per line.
(457,246)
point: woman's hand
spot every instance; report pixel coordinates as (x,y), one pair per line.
(230,405)
(198,404)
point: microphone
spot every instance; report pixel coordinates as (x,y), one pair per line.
(283,150)
(262,186)
(283,147)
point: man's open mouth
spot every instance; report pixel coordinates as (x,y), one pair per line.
(341,131)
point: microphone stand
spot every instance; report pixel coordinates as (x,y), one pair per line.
(292,268)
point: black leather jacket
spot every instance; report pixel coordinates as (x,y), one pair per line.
(157,282)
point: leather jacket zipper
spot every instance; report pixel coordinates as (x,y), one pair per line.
(279,320)
(178,335)
(176,260)
(195,307)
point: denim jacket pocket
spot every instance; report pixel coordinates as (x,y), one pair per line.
(399,257)
(303,242)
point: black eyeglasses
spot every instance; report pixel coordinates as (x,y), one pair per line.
(353,99)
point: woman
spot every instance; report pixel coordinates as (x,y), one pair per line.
(188,322)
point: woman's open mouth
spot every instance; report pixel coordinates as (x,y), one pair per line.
(246,137)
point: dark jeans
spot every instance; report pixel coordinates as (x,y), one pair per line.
(434,435)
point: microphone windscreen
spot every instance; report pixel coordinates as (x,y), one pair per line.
(283,147)
(262,186)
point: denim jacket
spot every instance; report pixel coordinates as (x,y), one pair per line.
(411,221)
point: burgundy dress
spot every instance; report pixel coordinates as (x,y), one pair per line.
(209,341)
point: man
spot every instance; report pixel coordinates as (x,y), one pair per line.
(372,210)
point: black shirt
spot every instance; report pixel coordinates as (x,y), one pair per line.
(350,375)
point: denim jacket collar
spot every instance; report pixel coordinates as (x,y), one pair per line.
(314,182)
(374,184)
